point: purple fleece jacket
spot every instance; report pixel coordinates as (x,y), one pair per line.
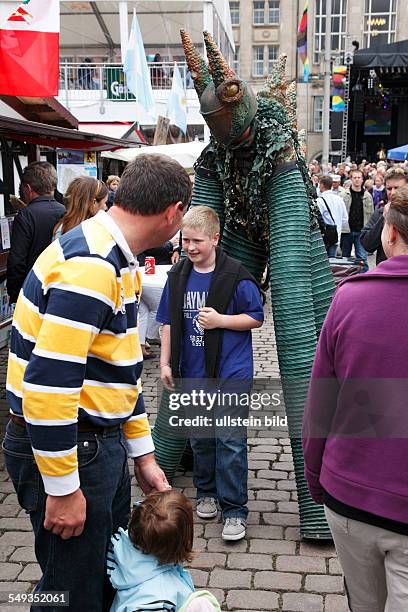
(355,427)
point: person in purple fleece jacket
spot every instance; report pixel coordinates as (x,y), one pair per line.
(355,428)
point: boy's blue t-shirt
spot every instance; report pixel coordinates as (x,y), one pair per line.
(236,359)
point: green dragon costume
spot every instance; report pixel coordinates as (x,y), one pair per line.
(253,173)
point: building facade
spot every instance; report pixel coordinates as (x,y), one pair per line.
(265,28)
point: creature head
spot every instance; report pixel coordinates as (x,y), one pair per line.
(227,103)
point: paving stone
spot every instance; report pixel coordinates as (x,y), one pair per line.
(22,524)
(11,498)
(336,603)
(9,510)
(258,465)
(265,531)
(293,563)
(10,571)
(302,602)
(253,518)
(218,594)
(5,552)
(317,549)
(280,547)
(260,483)
(335,567)
(17,538)
(288,506)
(249,561)
(13,587)
(31,572)
(254,456)
(272,474)
(25,554)
(209,560)
(199,577)
(286,485)
(6,487)
(278,581)
(324,584)
(273,495)
(252,600)
(292,533)
(199,544)
(228,579)
(219,545)
(283,465)
(262,506)
(280,518)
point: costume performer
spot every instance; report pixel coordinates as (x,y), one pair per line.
(253,173)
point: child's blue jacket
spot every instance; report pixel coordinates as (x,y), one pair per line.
(140,580)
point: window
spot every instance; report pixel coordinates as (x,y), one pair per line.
(272,56)
(266,12)
(234,10)
(259,12)
(338,27)
(263,58)
(273,12)
(258,61)
(379,22)
(317,114)
(235,61)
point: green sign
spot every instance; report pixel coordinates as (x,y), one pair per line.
(116,84)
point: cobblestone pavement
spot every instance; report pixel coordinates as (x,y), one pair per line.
(270,570)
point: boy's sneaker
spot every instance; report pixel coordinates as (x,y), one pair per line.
(206,507)
(234,529)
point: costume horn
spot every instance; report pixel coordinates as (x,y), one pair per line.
(196,64)
(219,68)
(275,86)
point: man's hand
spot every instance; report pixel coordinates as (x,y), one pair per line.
(209,318)
(149,475)
(167,377)
(65,515)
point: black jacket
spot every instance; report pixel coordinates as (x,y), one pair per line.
(370,236)
(227,274)
(32,233)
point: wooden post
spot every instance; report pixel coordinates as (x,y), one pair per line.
(162,128)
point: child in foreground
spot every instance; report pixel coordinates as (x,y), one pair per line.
(144,561)
(208,308)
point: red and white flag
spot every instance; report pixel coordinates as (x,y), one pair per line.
(29,50)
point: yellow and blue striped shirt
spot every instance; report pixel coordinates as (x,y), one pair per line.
(75,352)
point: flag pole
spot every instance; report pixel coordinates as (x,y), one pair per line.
(326,89)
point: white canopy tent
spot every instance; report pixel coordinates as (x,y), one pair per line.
(186,153)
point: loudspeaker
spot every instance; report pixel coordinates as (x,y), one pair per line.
(358,106)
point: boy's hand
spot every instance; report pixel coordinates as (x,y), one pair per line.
(209,318)
(167,377)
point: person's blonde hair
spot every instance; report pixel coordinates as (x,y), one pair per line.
(204,219)
(81,200)
(110,179)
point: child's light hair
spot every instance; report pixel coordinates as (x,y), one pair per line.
(202,218)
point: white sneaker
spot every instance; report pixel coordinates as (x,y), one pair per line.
(206,507)
(234,529)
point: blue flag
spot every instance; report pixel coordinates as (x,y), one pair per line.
(177,103)
(138,75)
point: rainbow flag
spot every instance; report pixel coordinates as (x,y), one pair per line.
(302,43)
(338,81)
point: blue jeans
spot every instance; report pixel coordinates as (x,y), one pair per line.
(332,250)
(350,239)
(221,462)
(77,565)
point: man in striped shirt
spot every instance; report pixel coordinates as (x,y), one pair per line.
(73,381)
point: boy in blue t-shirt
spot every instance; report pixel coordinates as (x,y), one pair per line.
(209,305)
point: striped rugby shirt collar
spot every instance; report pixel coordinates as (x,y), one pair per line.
(113,228)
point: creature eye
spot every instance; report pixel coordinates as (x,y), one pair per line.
(231,90)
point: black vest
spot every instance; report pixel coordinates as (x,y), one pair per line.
(227,274)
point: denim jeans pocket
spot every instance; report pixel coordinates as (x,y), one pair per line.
(22,470)
(88,450)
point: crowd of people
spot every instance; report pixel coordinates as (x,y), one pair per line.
(73,383)
(352,198)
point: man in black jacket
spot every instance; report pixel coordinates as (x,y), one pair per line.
(371,233)
(33,226)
